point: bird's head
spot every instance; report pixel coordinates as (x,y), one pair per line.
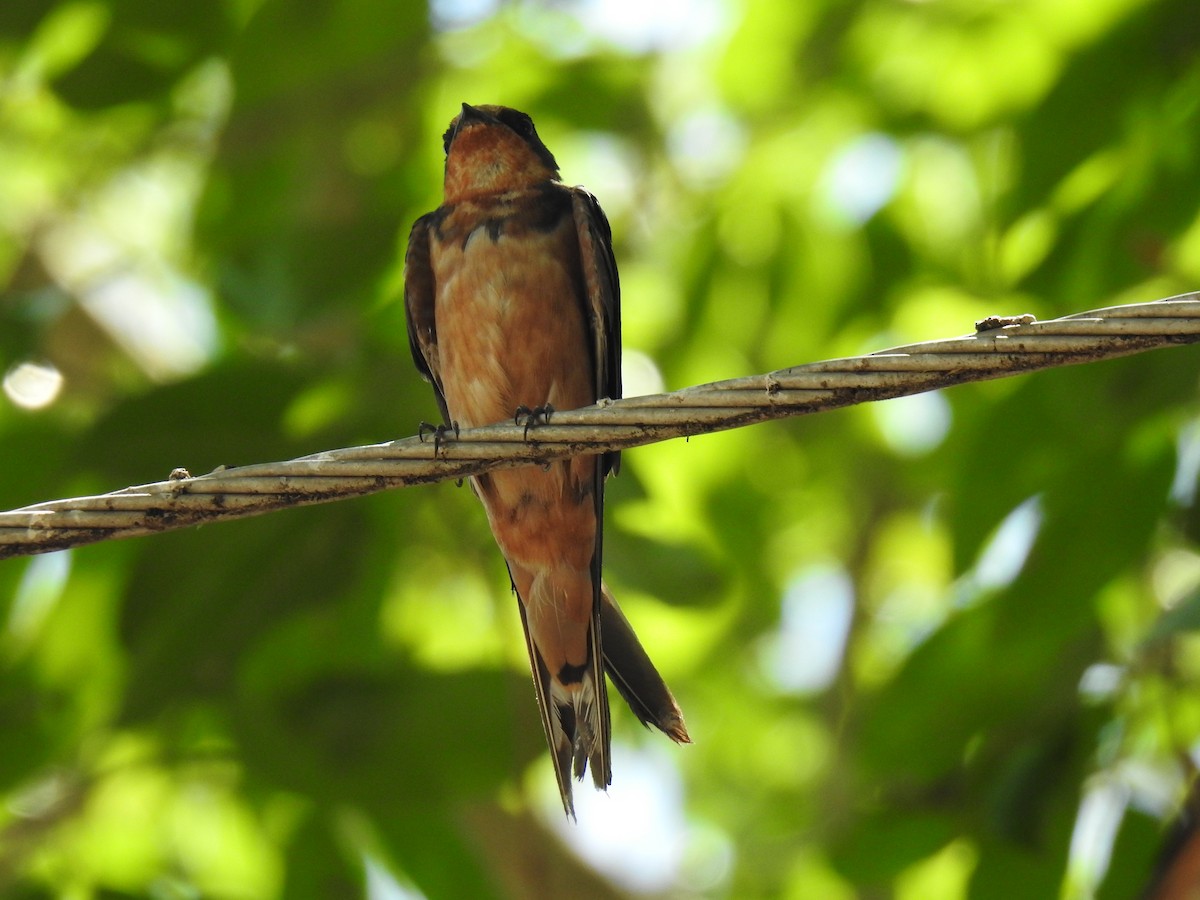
(491,150)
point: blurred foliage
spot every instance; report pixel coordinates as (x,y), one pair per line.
(935,648)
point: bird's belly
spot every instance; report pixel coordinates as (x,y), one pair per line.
(511,332)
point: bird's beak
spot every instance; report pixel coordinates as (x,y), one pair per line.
(469,114)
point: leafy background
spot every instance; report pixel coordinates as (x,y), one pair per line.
(932,648)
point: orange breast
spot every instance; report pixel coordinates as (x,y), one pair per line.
(510,324)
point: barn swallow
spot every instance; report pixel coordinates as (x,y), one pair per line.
(513,307)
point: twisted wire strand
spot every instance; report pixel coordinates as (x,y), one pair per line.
(1002,346)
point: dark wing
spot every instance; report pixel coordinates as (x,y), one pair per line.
(419,292)
(602,312)
(603,308)
(626,662)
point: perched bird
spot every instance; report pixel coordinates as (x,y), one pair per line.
(513,308)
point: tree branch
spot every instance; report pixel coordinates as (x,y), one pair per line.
(1004,346)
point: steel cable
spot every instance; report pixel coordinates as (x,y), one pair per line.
(1001,346)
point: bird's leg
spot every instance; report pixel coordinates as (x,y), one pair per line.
(440,433)
(538,415)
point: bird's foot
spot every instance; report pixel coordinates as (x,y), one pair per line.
(538,415)
(441,433)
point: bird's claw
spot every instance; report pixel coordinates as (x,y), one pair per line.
(440,433)
(538,415)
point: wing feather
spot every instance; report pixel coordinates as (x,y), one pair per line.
(602,312)
(419,295)
(603,309)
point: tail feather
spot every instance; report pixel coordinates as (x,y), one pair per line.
(635,676)
(575,715)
